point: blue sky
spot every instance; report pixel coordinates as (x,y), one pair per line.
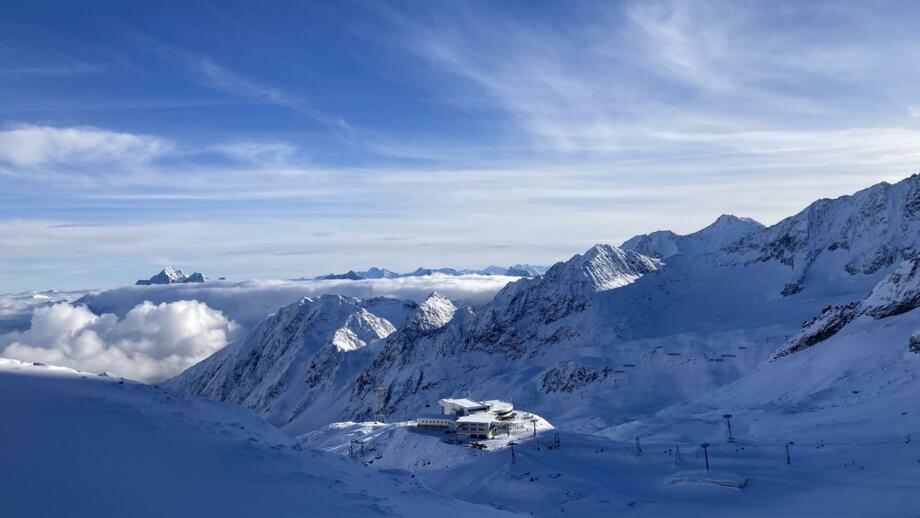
(302,138)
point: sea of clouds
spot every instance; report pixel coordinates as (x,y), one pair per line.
(151,333)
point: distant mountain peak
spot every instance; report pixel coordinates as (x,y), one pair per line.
(170,275)
(518,270)
(725,230)
(731,219)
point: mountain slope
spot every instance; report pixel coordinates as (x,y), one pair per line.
(897,293)
(82,445)
(609,335)
(294,357)
(863,234)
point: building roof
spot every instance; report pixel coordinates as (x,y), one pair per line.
(499,406)
(462,403)
(483,417)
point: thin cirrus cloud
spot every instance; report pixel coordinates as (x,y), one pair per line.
(630,80)
(231,82)
(545,139)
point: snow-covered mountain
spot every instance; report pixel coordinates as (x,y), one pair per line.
(624,333)
(518,270)
(858,235)
(296,357)
(170,275)
(897,293)
(664,243)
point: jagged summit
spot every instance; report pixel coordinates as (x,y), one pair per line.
(602,267)
(865,232)
(303,346)
(170,275)
(433,313)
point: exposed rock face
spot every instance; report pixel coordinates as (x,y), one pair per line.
(914,345)
(169,275)
(569,377)
(897,293)
(870,230)
(831,320)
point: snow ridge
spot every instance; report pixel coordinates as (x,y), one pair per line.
(723,231)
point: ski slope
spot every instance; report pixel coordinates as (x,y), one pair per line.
(75,444)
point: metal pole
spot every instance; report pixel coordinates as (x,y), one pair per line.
(728,420)
(638,447)
(705,446)
(788,456)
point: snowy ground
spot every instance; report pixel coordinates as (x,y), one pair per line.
(849,405)
(384,444)
(589,474)
(75,444)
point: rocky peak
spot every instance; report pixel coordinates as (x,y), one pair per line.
(170,275)
(433,313)
(868,231)
(602,267)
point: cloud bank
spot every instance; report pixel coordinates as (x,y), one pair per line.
(151,333)
(150,343)
(248,302)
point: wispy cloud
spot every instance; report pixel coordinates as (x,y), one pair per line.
(635,70)
(29,145)
(234,83)
(258,152)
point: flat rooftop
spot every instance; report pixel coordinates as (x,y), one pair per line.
(485,417)
(499,406)
(463,403)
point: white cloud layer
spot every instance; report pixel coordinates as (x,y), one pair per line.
(248,302)
(30,145)
(151,343)
(151,333)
